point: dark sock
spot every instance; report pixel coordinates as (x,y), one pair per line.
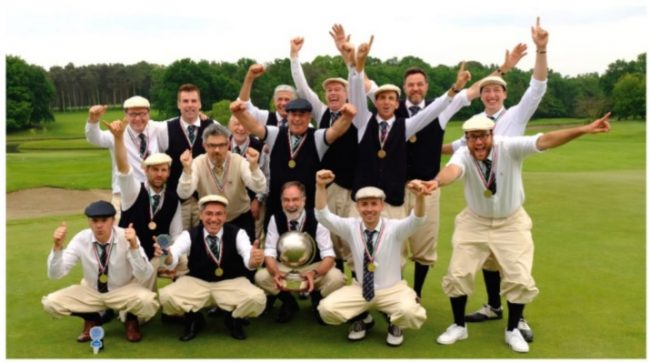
(458,309)
(419,277)
(130,316)
(515,312)
(340,265)
(89,316)
(492,287)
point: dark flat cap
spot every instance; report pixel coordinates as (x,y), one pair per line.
(299,104)
(100,208)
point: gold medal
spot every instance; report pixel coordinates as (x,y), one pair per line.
(371,267)
(292,164)
(413,139)
(152,225)
(103,278)
(487,193)
(218,272)
(381,153)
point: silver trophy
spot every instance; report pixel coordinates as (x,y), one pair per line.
(296,249)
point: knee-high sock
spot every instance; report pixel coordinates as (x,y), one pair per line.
(515,312)
(419,277)
(458,309)
(492,287)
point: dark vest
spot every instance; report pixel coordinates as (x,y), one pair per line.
(309,227)
(178,144)
(201,264)
(138,214)
(423,155)
(341,157)
(307,164)
(272,120)
(389,173)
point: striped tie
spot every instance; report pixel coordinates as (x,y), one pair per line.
(368,276)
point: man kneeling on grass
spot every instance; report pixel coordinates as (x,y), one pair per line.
(114,268)
(375,243)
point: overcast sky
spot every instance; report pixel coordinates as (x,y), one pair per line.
(585,36)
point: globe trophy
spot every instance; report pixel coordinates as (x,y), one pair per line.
(295,249)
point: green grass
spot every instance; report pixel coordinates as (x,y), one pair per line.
(587,202)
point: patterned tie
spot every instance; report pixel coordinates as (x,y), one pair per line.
(368,276)
(414,110)
(284,121)
(213,242)
(236,150)
(156,203)
(295,140)
(191,133)
(334,116)
(293,225)
(102,286)
(493,118)
(488,169)
(143,146)
(384,130)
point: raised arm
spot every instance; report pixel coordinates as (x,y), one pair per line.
(117,129)
(323,178)
(557,138)
(94,134)
(340,39)
(238,109)
(300,81)
(540,38)
(446,176)
(341,126)
(419,189)
(255,71)
(511,60)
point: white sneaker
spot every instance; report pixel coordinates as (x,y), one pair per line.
(395,336)
(525,330)
(358,328)
(453,334)
(516,341)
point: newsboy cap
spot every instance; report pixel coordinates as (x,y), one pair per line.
(299,104)
(335,80)
(100,208)
(136,101)
(478,123)
(213,198)
(370,192)
(388,88)
(492,80)
(157,159)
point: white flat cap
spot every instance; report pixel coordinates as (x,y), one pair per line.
(388,88)
(213,198)
(335,80)
(478,123)
(370,192)
(493,80)
(157,159)
(136,101)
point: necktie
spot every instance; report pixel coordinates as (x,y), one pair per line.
(191,133)
(213,242)
(156,203)
(384,130)
(493,118)
(368,276)
(414,110)
(143,145)
(284,121)
(488,169)
(293,225)
(295,140)
(236,150)
(103,256)
(334,116)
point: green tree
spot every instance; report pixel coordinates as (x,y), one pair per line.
(221,111)
(29,93)
(628,96)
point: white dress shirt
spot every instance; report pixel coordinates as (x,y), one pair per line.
(182,244)
(508,154)
(124,263)
(273,134)
(387,255)
(323,239)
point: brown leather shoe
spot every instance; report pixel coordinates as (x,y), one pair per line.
(133,331)
(85,334)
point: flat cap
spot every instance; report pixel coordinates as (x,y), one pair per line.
(213,198)
(493,80)
(100,208)
(136,101)
(157,159)
(388,88)
(299,104)
(478,123)
(370,192)
(335,80)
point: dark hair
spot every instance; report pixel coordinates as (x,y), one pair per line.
(415,70)
(188,87)
(294,183)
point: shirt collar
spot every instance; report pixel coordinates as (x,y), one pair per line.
(408,104)
(206,234)
(196,123)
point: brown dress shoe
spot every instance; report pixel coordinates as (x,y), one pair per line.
(85,334)
(133,331)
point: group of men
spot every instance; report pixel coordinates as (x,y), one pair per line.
(365,185)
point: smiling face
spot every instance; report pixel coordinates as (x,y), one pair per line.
(293,202)
(299,122)
(416,87)
(137,117)
(479,143)
(280,101)
(239,133)
(493,96)
(370,210)
(157,175)
(336,95)
(213,216)
(386,104)
(189,104)
(216,148)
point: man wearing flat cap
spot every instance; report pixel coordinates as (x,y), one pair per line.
(114,267)
(219,257)
(510,121)
(151,206)
(141,141)
(375,243)
(494,221)
(296,150)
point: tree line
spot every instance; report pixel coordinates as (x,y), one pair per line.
(33,93)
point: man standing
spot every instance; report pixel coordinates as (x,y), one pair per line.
(282,95)
(183,133)
(114,268)
(219,257)
(375,243)
(321,275)
(221,172)
(141,142)
(495,222)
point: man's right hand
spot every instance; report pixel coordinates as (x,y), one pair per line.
(116,128)
(255,71)
(186,160)
(296,46)
(324,177)
(95,112)
(59,235)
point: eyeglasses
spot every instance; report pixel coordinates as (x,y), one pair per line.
(476,137)
(138,114)
(216,146)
